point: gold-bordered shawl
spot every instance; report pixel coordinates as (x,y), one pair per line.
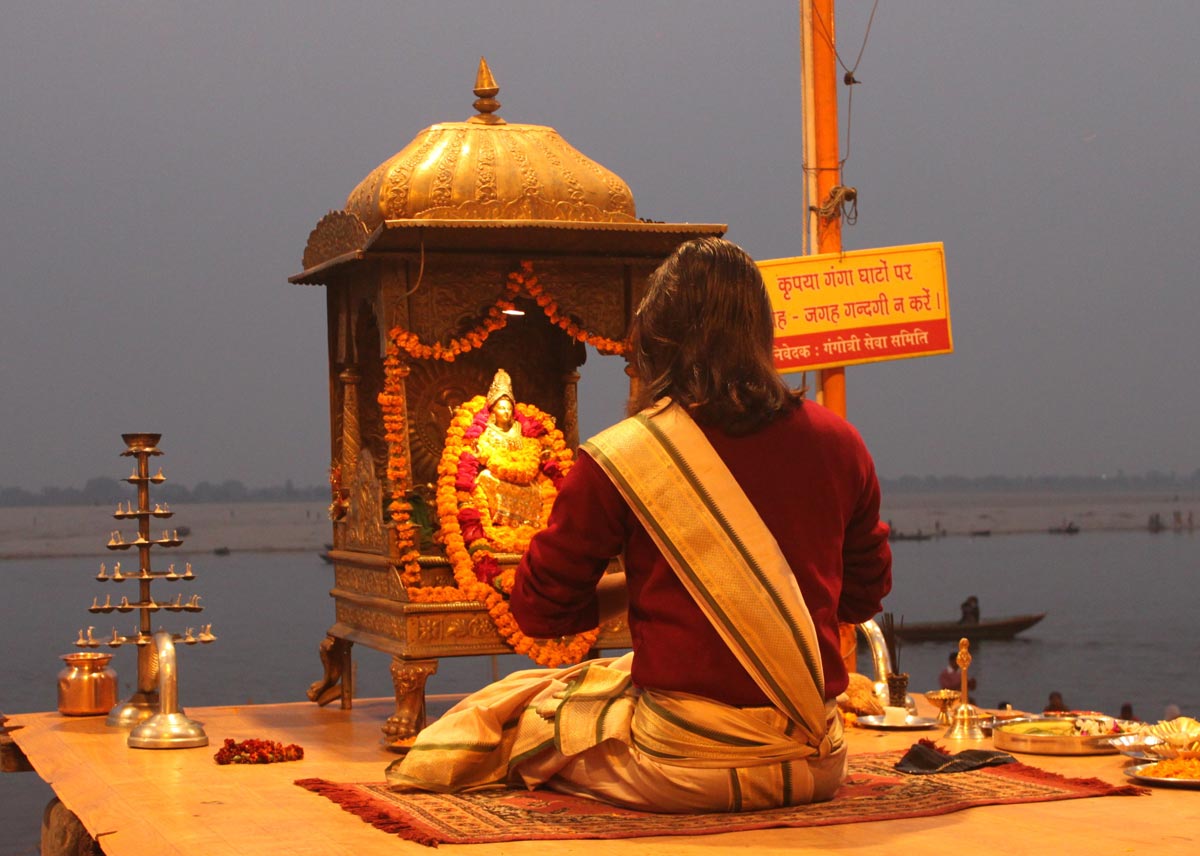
(711,535)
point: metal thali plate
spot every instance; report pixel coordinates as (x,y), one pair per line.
(1014,736)
(1137,774)
(910,723)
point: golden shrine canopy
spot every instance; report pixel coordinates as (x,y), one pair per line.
(487,169)
(487,185)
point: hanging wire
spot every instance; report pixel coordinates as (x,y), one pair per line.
(420,271)
(863,47)
(848,77)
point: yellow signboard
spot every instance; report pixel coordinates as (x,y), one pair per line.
(861,306)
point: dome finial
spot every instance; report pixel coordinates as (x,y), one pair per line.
(486,91)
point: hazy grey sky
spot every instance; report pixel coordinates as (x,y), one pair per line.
(162,163)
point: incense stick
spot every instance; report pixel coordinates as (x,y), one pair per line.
(890,640)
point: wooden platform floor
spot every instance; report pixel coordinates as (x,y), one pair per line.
(166,802)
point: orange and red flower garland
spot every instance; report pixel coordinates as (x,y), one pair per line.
(470,539)
(522,280)
(476,569)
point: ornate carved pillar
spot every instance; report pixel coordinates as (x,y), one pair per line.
(570,426)
(351,442)
(364,523)
(351,431)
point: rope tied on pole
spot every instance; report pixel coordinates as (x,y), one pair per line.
(842,202)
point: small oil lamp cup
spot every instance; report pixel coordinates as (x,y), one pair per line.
(142,442)
(87,686)
(897,685)
(945,700)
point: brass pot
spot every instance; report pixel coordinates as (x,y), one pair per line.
(87,686)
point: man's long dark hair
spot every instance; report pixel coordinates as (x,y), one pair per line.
(703,335)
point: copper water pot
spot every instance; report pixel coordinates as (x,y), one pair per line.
(87,686)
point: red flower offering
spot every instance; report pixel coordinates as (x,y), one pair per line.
(256,751)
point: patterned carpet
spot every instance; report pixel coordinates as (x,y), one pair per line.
(873,791)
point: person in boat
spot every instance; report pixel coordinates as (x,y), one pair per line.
(1055,703)
(970,611)
(748,521)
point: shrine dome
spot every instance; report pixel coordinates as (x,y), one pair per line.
(488,169)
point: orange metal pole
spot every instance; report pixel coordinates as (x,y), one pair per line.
(832,382)
(828,166)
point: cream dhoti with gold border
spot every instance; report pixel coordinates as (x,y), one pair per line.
(587,730)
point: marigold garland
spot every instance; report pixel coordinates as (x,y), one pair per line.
(470,538)
(521,280)
(518,466)
(391,402)
(476,570)
(550,306)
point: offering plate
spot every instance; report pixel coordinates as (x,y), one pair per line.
(1142,747)
(1141,773)
(1050,736)
(910,723)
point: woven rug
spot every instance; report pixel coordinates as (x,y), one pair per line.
(873,791)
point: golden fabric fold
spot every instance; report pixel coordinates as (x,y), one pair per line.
(725,556)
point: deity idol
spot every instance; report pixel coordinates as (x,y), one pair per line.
(508,461)
(498,478)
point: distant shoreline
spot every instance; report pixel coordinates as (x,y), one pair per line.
(1031,512)
(42,532)
(70,532)
(182,556)
(104,491)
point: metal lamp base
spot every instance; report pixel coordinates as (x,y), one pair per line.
(168,731)
(966,724)
(137,708)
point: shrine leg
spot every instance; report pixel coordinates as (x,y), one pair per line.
(64,835)
(408,677)
(338,681)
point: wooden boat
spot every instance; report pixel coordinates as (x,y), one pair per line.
(987,628)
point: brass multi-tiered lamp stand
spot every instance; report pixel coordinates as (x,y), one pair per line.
(152,712)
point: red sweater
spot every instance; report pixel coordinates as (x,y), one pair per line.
(811,479)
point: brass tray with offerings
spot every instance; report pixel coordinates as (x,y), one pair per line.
(1060,735)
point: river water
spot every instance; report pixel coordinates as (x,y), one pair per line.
(1121,626)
